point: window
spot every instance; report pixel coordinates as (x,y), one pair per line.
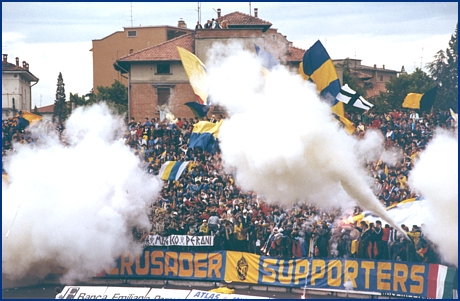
(163,95)
(132,33)
(163,69)
(381,78)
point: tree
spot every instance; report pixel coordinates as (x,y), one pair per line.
(78,101)
(399,87)
(444,70)
(61,111)
(36,111)
(116,96)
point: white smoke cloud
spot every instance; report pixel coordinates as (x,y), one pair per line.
(73,207)
(280,139)
(435,177)
(370,147)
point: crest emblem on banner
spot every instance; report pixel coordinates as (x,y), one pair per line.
(242,267)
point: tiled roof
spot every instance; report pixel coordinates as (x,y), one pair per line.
(9,67)
(165,51)
(359,74)
(295,54)
(238,18)
(46,109)
(12,67)
(362,67)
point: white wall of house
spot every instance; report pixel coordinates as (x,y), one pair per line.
(17,87)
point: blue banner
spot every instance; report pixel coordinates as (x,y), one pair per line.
(390,278)
(171,265)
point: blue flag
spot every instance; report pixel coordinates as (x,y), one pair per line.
(198,109)
(268,61)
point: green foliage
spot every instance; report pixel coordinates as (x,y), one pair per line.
(61,110)
(115,96)
(444,70)
(76,100)
(36,111)
(399,87)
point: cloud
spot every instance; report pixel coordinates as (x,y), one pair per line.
(12,37)
(72,208)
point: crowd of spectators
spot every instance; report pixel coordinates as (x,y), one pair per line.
(206,201)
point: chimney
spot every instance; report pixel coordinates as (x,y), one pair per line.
(218,12)
(24,64)
(181,24)
(256,12)
(375,66)
(17,62)
(5,58)
(383,67)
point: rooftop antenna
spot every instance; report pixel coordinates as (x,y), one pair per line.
(199,12)
(131,14)
(250,9)
(421,59)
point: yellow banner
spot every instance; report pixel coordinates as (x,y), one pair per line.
(242,267)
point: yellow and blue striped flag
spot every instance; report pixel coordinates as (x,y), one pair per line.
(172,170)
(204,136)
(317,66)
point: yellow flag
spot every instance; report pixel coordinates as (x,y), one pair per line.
(347,125)
(338,109)
(412,101)
(196,72)
(31,117)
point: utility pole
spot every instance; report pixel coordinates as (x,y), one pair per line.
(199,12)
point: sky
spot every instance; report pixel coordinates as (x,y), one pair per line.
(57,37)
